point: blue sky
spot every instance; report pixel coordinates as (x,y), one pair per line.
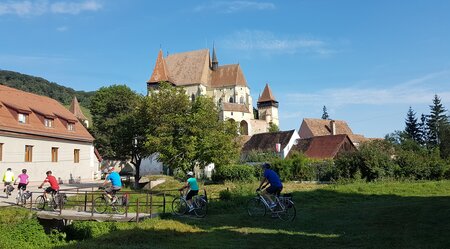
(366,61)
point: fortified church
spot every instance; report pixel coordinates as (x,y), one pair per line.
(199,73)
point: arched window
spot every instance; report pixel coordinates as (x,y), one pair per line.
(231,100)
(193,97)
(241,100)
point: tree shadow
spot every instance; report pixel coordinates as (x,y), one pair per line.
(325,219)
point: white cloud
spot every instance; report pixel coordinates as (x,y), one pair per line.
(234,6)
(267,42)
(62,29)
(415,91)
(40,7)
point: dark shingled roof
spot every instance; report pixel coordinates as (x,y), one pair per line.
(267,141)
(323,147)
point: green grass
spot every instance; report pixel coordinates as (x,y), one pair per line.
(357,215)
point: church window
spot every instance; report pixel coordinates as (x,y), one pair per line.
(231,100)
(241,100)
(193,97)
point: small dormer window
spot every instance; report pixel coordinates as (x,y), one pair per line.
(70,126)
(23,118)
(48,122)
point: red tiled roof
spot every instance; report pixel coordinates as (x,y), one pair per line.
(266,95)
(193,67)
(38,108)
(311,127)
(323,147)
(235,107)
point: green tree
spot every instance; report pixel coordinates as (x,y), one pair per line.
(325,113)
(412,127)
(423,130)
(117,114)
(435,121)
(444,146)
(273,127)
(188,133)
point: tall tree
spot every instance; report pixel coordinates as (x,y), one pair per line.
(423,130)
(436,120)
(273,127)
(325,113)
(188,133)
(412,127)
(118,123)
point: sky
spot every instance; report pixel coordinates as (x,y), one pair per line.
(366,61)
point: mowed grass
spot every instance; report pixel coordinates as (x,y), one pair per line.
(357,215)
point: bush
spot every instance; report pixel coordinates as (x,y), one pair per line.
(81,230)
(27,234)
(238,172)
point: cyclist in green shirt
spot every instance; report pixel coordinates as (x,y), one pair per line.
(192,184)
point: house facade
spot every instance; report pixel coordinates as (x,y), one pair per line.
(199,73)
(324,147)
(280,142)
(37,133)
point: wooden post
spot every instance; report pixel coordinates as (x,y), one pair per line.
(164,202)
(137,210)
(85,201)
(151,204)
(92,204)
(146,203)
(31,201)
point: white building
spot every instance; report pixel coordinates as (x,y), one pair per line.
(37,133)
(198,74)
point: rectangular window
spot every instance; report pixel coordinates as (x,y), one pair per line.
(70,126)
(48,122)
(23,118)
(54,154)
(28,153)
(76,155)
(1,152)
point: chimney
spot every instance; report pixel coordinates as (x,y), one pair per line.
(333,127)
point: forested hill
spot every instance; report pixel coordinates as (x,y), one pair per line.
(44,87)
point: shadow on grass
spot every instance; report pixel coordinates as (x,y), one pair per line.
(325,219)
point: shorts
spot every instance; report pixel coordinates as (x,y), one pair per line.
(22,186)
(50,190)
(191,193)
(274,190)
(112,190)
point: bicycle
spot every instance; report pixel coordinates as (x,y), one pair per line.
(22,196)
(199,203)
(118,204)
(56,200)
(284,209)
(8,189)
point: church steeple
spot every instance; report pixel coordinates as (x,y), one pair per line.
(160,71)
(215,62)
(76,109)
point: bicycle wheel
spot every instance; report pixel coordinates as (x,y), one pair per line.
(256,208)
(100,205)
(118,206)
(201,207)
(289,212)
(54,203)
(179,206)
(40,202)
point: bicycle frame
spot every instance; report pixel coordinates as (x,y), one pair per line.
(277,202)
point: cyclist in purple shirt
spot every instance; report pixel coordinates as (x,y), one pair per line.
(270,177)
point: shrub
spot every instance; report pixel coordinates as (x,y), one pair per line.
(234,172)
(81,230)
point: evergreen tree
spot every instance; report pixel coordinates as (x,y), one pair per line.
(423,130)
(412,127)
(435,121)
(325,113)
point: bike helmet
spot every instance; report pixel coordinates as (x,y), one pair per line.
(190,173)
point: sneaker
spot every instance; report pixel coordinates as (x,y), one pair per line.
(272,205)
(114,199)
(191,208)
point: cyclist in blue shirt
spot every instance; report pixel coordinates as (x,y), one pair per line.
(116,183)
(192,184)
(270,177)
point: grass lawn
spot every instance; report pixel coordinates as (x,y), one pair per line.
(357,215)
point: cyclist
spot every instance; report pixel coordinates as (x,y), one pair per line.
(54,186)
(116,183)
(192,184)
(270,177)
(8,178)
(23,180)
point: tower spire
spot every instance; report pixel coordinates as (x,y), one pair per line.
(215,62)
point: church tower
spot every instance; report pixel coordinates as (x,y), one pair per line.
(268,107)
(76,109)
